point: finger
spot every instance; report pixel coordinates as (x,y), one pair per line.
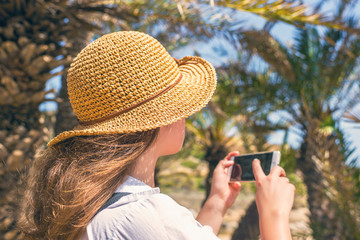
(231,154)
(293,187)
(278,172)
(236,186)
(223,165)
(227,164)
(285,179)
(258,172)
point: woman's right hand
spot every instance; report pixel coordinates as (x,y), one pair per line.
(274,199)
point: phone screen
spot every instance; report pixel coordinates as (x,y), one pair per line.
(242,168)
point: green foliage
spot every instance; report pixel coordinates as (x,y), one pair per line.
(200,183)
(288,158)
(190,164)
(289,12)
(302,80)
(352,171)
(311,82)
(356,176)
(182,173)
(178,181)
(298,183)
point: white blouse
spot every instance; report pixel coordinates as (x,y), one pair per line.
(145,214)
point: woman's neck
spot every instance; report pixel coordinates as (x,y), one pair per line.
(144,169)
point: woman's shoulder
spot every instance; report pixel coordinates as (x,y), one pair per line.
(146,216)
(137,218)
(139,207)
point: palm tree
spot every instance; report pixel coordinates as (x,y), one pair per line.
(65,116)
(311,83)
(38,36)
(191,20)
(253,127)
(202,128)
(35,38)
(209,130)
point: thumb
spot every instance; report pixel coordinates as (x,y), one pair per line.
(257,170)
(236,186)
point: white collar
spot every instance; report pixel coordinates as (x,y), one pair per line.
(133,185)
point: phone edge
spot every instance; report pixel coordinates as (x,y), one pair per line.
(230,170)
(275,161)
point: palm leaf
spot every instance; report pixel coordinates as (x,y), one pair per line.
(352,117)
(292,12)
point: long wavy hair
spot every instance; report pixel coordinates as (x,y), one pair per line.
(70,181)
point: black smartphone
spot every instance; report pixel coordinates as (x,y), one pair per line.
(242,168)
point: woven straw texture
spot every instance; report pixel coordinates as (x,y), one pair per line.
(125,69)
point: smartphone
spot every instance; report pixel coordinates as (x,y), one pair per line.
(242,168)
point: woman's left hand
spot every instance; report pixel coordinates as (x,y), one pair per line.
(221,188)
(222,195)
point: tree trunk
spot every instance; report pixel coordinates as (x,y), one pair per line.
(248,228)
(65,116)
(35,38)
(324,171)
(213,155)
(18,144)
(29,38)
(211,165)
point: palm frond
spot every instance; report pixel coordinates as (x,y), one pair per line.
(292,12)
(352,117)
(263,44)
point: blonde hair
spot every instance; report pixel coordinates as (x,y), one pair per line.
(70,181)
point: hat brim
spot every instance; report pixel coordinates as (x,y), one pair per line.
(190,95)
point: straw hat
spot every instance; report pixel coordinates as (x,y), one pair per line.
(127,82)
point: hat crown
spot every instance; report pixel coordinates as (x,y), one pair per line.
(116,71)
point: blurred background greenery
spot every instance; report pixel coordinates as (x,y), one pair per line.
(284,67)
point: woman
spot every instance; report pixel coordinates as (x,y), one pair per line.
(97,181)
